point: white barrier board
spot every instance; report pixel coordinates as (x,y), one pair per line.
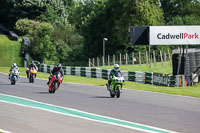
(174,35)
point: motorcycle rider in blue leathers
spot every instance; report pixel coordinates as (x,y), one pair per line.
(14,65)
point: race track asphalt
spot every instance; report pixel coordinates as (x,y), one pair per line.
(175,113)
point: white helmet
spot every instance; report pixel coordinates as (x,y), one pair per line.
(14,65)
(116,67)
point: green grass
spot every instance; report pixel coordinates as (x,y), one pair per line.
(165,69)
(9,51)
(185,91)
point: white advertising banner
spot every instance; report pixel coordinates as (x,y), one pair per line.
(174,35)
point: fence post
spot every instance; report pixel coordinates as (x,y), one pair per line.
(126,59)
(108,60)
(120,59)
(89,63)
(161,58)
(97,61)
(93,61)
(139,58)
(147,58)
(133,58)
(113,59)
(154,58)
(165,57)
(103,61)
(169,57)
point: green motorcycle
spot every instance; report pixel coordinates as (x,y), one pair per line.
(116,85)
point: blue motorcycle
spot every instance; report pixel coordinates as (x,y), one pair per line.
(14,75)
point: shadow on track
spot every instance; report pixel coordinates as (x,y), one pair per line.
(44,92)
(24,82)
(5,84)
(101,97)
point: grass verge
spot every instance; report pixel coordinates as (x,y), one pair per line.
(185,91)
(164,68)
(9,51)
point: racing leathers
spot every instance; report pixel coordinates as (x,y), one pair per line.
(29,67)
(55,69)
(112,72)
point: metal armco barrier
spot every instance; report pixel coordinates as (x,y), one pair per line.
(140,77)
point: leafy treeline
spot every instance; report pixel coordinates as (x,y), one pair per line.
(71,31)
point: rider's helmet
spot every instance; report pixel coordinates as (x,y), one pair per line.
(116,67)
(14,65)
(59,66)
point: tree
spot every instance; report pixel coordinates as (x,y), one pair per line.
(181,12)
(112,19)
(62,51)
(26,26)
(23,9)
(32,9)
(56,12)
(67,40)
(41,46)
(77,56)
(4,9)
(148,12)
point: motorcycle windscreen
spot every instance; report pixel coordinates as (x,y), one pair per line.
(117,74)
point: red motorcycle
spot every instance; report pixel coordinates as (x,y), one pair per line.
(55,82)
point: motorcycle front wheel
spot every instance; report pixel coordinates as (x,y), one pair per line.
(12,82)
(54,86)
(118,91)
(31,79)
(112,94)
